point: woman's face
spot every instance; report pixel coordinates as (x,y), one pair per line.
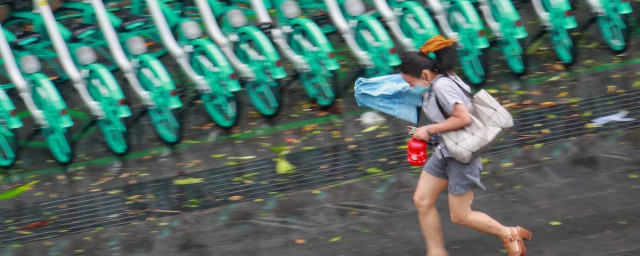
(412,80)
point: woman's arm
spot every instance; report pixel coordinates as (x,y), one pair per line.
(459,118)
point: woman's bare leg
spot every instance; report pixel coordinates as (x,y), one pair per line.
(461,214)
(424,198)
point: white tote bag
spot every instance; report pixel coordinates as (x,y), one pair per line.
(489,120)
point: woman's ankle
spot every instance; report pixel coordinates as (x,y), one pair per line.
(505,233)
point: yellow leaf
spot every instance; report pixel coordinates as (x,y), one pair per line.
(555,223)
(187,181)
(371,128)
(505,165)
(283,166)
(336,239)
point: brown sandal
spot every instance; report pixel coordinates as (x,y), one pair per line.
(514,245)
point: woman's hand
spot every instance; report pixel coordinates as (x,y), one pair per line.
(422,133)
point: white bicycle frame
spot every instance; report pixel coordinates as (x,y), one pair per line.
(347,34)
(488,17)
(262,15)
(115,48)
(214,31)
(21,84)
(179,53)
(544,15)
(391,18)
(441,15)
(596,7)
(42,7)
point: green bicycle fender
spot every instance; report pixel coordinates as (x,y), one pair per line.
(6,106)
(471,14)
(474,20)
(10,36)
(37,22)
(382,36)
(564,5)
(318,38)
(214,53)
(110,82)
(46,87)
(266,47)
(86,9)
(263,42)
(624,7)
(422,17)
(161,73)
(509,12)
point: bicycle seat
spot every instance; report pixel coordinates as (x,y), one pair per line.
(80,31)
(131,21)
(25,37)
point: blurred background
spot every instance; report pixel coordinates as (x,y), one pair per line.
(211,127)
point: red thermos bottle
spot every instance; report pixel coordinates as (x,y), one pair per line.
(416,152)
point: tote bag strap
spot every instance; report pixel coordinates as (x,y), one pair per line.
(444,113)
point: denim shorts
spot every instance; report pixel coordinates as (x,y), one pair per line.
(462,177)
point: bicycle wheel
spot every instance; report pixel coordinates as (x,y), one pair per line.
(264,92)
(563,45)
(615,31)
(8,146)
(264,96)
(59,146)
(112,126)
(513,55)
(221,105)
(473,63)
(57,137)
(319,83)
(163,119)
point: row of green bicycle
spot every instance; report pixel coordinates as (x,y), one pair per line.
(83,42)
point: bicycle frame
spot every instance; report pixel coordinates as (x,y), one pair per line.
(408,21)
(504,21)
(366,37)
(249,50)
(302,43)
(144,72)
(458,19)
(613,24)
(48,110)
(558,18)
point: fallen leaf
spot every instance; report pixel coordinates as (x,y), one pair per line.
(555,223)
(336,239)
(548,104)
(187,181)
(235,198)
(505,165)
(282,165)
(373,170)
(36,224)
(634,176)
(611,88)
(563,94)
(300,241)
(16,191)
(371,128)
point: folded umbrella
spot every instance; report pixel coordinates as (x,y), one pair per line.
(391,95)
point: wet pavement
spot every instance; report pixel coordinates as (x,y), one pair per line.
(219,192)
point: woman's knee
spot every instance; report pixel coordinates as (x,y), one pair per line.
(459,217)
(423,202)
